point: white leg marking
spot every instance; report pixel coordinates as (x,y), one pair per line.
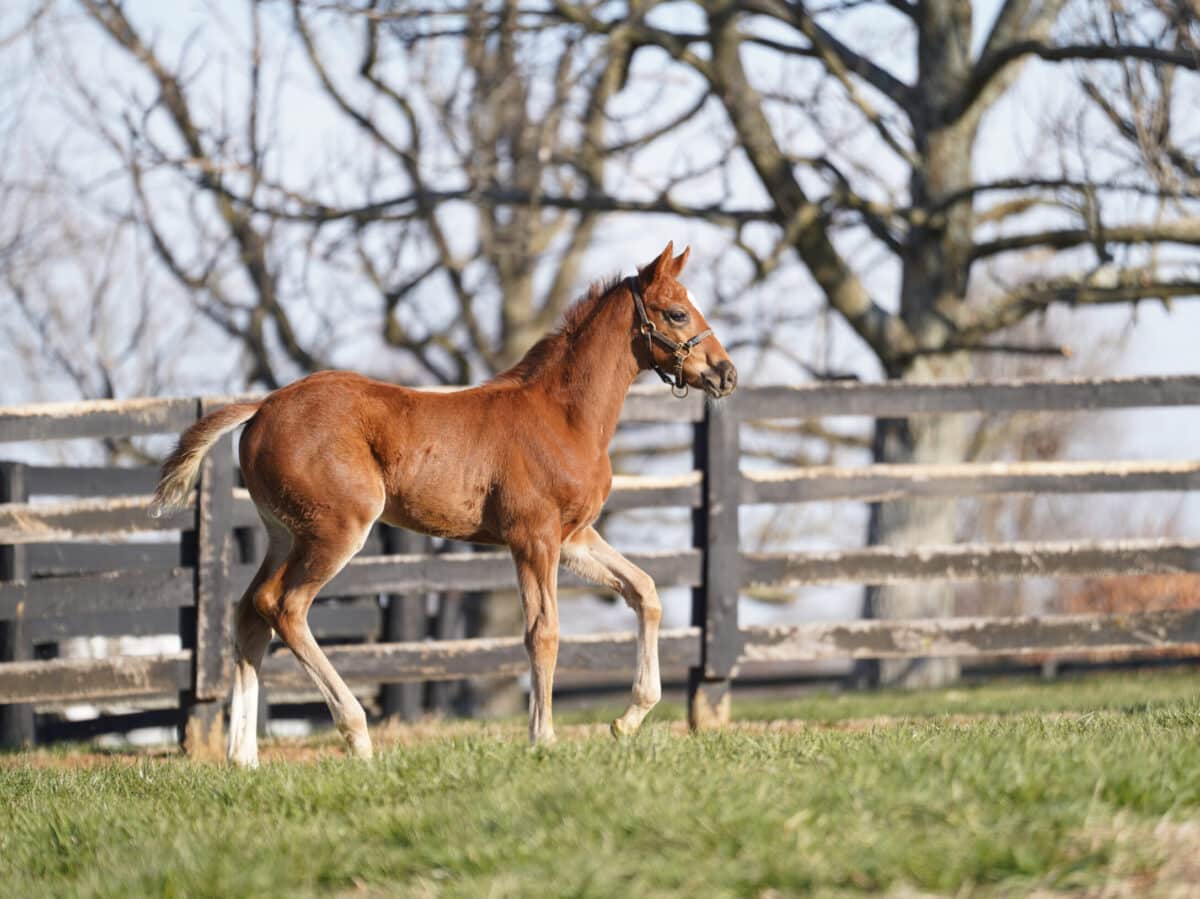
(589,556)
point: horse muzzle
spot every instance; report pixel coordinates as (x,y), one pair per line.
(719,380)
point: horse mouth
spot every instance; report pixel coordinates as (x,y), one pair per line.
(713,388)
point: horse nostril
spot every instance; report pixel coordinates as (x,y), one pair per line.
(728,375)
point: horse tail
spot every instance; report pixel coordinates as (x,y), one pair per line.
(180,470)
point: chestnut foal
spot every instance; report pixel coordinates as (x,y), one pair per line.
(520,461)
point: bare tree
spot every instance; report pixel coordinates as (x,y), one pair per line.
(896,96)
(870,144)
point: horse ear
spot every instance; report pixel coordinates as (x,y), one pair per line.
(649,273)
(680,261)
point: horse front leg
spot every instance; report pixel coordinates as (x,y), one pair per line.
(589,555)
(537,578)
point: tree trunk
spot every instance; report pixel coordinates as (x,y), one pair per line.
(936,269)
(924,440)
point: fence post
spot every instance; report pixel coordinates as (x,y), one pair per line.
(403,621)
(16,721)
(715,534)
(211,635)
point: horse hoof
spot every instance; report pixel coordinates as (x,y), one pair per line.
(360,748)
(619,729)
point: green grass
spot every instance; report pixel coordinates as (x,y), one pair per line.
(1131,690)
(990,806)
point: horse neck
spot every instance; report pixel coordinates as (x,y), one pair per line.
(594,376)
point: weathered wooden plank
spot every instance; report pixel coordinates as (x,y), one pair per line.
(653,402)
(111,418)
(83,680)
(484,571)
(77,558)
(884,483)
(715,534)
(716,450)
(139,623)
(84,519)
(114,517)
(110,591)
(969,636)
(214,561)
(95,418)
(360,620)
(644,402)
(91,480)
(104,518)
(897,399)
(499,656)
(972,562)
(16,721)
(640,492)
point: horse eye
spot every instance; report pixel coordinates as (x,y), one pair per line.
(677,315)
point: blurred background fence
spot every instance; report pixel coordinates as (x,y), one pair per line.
(81,560)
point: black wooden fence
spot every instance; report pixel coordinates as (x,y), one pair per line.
(69,569)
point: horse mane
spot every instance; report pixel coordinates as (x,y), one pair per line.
(552,346)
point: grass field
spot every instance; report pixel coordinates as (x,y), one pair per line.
(1003,790)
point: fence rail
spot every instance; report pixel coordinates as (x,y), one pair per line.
(79,556)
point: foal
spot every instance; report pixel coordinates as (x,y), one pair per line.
(520,461)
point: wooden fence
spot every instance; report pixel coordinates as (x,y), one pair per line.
(67,568)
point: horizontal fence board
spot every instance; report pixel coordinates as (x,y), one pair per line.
(641,492)
(103,518)
(971,562)
(479,571)
(85,519)
(90,480)
(969,636)
(83,680)
(113,591)
(363,620)
(483,657)
(116,418)
(325,621)
(895,399)
(139,623)
(149,415)
(95,418)
(650,402)
(883,483)
(73,558)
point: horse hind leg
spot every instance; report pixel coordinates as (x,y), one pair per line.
(310,565)
(251,638)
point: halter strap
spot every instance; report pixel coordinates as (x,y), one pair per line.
(680,351)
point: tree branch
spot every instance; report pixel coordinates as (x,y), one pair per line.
(992,64)
(1184,231)
(1101,288)
(836,56)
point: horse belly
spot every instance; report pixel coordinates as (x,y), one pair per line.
(444,503)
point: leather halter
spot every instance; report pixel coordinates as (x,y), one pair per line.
(679,351)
